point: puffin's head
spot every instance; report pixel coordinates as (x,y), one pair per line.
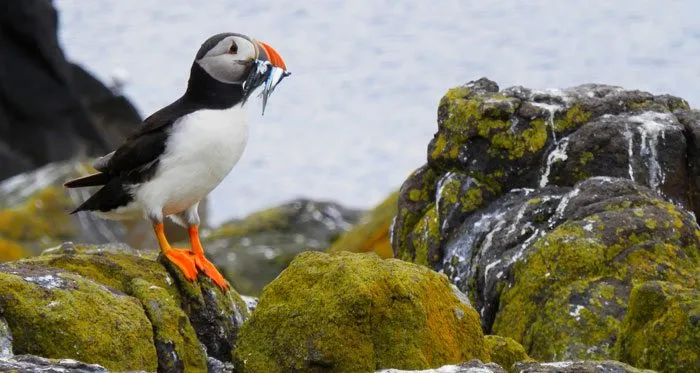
(232,58)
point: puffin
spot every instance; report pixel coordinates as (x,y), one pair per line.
(181,152)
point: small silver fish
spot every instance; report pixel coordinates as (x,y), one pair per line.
(266,75)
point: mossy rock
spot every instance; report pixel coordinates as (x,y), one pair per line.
(252,251)
(58,314)
(569,297)
(505,351)
(185,322)
(661,329)
(372,233)
(500,140)
(348,312)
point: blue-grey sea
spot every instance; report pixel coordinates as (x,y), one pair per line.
(356,116)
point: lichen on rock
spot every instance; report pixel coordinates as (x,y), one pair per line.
(661,330)
(349,312)
(505,351)
(58,314)
(569,292)
(85,302)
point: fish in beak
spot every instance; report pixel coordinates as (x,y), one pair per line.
(268,71)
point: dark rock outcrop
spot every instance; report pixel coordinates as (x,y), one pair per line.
(548,207)
(50,109)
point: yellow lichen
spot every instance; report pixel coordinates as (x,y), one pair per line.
(356,313)
(658,332)
(505,351)
(573,118)
(66,319)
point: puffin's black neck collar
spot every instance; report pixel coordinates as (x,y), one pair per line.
(209,93)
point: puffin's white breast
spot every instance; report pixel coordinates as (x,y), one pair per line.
(201,150)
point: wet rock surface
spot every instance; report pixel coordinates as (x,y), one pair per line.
(548,207)
(578,367)
(86,302)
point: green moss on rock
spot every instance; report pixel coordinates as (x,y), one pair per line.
(516,144)
(505,351)
(425,236)
(174,338)
(573,118)
(181,314)
(62,315)
(350,312)
(661,329)
(585,272)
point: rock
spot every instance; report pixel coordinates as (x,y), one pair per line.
(355,312)
(505,351)
(34,209)
(546,208)
(490,142)
(578,367)
(554,269)
(65,113)
(36,302)
(31,364)
(372,232)
(661,329)
(85,302)
(472,366)
(252,251)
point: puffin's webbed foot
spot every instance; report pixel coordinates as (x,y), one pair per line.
(182,259)
(202,263)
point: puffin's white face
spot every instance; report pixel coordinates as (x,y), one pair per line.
(229,61)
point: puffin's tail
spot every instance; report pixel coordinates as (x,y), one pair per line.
(90,180)
(111,196)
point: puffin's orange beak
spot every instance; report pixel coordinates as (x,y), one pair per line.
(272,56)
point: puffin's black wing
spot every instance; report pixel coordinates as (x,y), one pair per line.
(137,157)
(134,162)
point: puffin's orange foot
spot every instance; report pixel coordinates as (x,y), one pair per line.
(209,270)
(184,260)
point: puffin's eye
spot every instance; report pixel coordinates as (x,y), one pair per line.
(234,48)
